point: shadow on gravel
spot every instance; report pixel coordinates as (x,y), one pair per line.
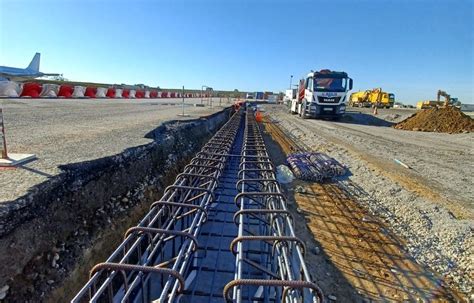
(33,170)
(352,254)
(364,119)
(323,272)
(381,266)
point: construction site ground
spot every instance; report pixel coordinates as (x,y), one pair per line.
(64,131)
(390,233)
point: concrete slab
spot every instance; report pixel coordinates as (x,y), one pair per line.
(16,159)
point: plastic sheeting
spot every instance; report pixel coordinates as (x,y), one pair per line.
(50,90)
(139,94)
(79,92)
(9,89)
(110,92)
(101,92)
(311,166)
(31,89)
(118,93)
(132,93)
(65,91)
(90,92)
(147,94)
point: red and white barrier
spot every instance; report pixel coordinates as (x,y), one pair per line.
(126,93)
(139,94)
(49,90)
(110,92)
(79,92)
(9,89)
(101,92)
(36,90)
(31,89)
(90,92)
(65,91)
(118,93)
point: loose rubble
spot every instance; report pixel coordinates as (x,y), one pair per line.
(433,235)
(441,120)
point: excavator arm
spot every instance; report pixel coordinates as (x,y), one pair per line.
(447,97)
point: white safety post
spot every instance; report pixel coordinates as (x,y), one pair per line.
(183,114)
(4,140)
(10,160)
(182,94)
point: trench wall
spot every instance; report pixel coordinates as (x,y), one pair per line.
(51,237)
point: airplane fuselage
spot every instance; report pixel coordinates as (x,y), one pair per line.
(19,74)
(13,73)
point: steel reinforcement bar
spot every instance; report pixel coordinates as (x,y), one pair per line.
(269,258)
(152,261)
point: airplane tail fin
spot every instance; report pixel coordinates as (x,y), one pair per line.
(35,63)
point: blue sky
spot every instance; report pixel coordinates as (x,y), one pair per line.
(409,47)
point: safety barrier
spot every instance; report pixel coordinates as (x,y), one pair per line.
(139,94)
(90,92)
(79,92)
(31,89)
(65,91)
(9,89)
(126,93)
(101,92)
(49,90)
(110,92)
(118,93)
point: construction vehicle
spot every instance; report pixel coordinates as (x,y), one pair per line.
(369,98)
(321,94)
(448,101)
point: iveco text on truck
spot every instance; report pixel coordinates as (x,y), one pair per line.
(322,94)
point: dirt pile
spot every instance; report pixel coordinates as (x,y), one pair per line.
(441,120)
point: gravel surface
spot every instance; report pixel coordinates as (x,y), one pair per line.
(62,131)
(430,206)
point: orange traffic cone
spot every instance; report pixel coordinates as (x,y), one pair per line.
(258,116)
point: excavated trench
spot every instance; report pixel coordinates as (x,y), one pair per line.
(51,237)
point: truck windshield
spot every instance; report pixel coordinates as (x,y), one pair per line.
(330,84)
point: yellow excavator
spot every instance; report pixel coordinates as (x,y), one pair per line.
(372,97)
(448,101)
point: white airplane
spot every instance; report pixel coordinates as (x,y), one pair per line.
(31,72)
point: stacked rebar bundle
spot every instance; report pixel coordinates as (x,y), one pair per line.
(152,261)
(269,260)
(313,166)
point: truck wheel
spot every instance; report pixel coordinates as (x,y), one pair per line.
(303,112)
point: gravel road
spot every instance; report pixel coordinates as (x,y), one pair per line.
(430,206)
(62,131)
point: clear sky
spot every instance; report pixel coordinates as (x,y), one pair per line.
(409,47)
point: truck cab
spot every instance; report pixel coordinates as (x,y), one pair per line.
(322,94)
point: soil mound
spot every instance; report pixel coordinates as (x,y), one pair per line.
(441,120)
